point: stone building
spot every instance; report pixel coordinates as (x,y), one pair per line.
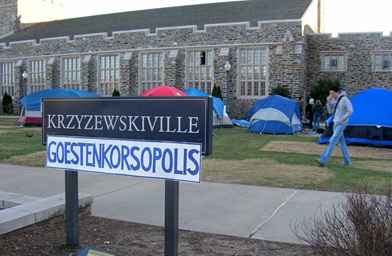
(268,43)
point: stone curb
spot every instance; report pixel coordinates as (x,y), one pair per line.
(34,210)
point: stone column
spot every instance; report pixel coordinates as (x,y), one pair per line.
(84,72)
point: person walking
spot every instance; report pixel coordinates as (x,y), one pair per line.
(317,113)
(343,109)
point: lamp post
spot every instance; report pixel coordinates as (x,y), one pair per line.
(25,75)
(227,68)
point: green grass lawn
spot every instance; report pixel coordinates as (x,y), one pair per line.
(246,158)
(13,139)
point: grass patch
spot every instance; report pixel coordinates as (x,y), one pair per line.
(313,148)
(263,172)
(36,159)
(246,158)
(14,142)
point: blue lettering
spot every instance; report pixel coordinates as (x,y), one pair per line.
(88,153)
(81,145)
(97,155)
(67,151)
(176,171)
(137,166)
(105,159)
(115,147)
(165,153)
(185,159)
(157,156)
(52,160)
(60,145)
(197,168)
(75,159)
(124,157)
(149,159)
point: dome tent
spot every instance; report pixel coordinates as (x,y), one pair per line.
(220,118)
(31,110)
(371,122)
(274,115)
(163,91)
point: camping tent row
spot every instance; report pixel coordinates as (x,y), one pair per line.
(220,118)
(31,104)
(371,122)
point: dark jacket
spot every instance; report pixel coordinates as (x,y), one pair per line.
(318,110)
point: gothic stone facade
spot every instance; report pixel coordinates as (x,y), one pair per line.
(8,10)
(292,59)
(281,41)
(365,60)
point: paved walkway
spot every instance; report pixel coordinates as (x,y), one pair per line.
(237,210)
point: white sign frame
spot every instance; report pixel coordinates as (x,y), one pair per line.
(145,159)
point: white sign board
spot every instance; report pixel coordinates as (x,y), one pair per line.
(148,159)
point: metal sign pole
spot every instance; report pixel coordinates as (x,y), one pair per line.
(171,217)
(71,208)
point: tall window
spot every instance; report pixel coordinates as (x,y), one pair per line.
(253,71)
(333,61)
(382,61)
(108,74)
(7,79)
(151,70)
(37,76)
(200,70)
(70,73)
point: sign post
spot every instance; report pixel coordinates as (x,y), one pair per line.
(157,137)
(71,208)
(171,217)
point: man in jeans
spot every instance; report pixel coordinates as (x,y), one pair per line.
(342,111)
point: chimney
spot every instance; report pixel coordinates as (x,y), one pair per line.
(320,16)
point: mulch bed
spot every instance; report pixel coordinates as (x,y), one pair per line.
(126,238)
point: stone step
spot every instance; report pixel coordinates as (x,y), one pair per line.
(36,211)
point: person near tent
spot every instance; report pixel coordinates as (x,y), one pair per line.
(317,113)
(309,112)
(343,109)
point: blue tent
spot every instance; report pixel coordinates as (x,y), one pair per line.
(31,111)
(33,101)
(371,122)
(220,117)
(275,115)
(217,102)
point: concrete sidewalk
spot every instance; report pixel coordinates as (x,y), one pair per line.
(237,210)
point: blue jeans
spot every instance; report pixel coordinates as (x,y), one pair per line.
(337,138)
(316,122)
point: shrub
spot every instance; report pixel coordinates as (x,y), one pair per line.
(8,108)
(360,226)
(321,90)
(116,93)
(217,92)
(282,91)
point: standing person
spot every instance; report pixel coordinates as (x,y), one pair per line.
(309,112)
(329,107)
(342,111)
(317,113)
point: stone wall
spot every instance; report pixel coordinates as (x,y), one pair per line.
(8,17)
(359,47)
(282,39)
